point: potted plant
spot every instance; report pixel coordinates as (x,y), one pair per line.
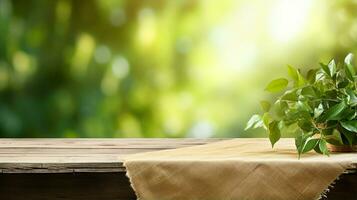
(320,107)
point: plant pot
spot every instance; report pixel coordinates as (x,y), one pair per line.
(342,148)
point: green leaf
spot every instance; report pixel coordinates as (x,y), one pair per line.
(351,114)
(306,125)
(266,120)
(318,111)
(349,69)
(349,72)
(334,138)
(320,75)
(342,84)
(323,147)
(349,58)
(350,125)
(279,108)
(351,97)
(347,135)
(300,141)
(332,67)
(311,75)
(334,113)
(274,132)
(310,145)
(293,73)
(296,76)
(292,116)
(325,69)
(290,95)
(265,105)
(277,85)
(303,106)
(254,122)
(301,81)
(330,94)
(308,91)
(317,148)
(341,79)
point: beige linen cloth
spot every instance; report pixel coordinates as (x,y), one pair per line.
(237,169)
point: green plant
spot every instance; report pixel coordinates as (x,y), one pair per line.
(320,107)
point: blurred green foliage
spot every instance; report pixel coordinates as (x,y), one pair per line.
(154,68)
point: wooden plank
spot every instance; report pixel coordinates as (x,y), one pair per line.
(61,167)
(79,155)
(102,143)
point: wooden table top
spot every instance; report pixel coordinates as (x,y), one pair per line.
(80,155)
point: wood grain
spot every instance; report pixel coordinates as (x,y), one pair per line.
(79,155)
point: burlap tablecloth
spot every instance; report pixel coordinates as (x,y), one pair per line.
(237,169)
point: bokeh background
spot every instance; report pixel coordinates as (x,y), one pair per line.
(156,68)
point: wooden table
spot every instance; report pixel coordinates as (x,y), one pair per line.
(91,169)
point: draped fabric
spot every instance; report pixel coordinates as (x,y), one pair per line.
(237,169)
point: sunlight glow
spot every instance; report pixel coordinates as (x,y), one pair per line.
(288,18)
(147,26)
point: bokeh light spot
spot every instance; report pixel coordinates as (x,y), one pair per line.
(120,67)
(102,54)
(83,53)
